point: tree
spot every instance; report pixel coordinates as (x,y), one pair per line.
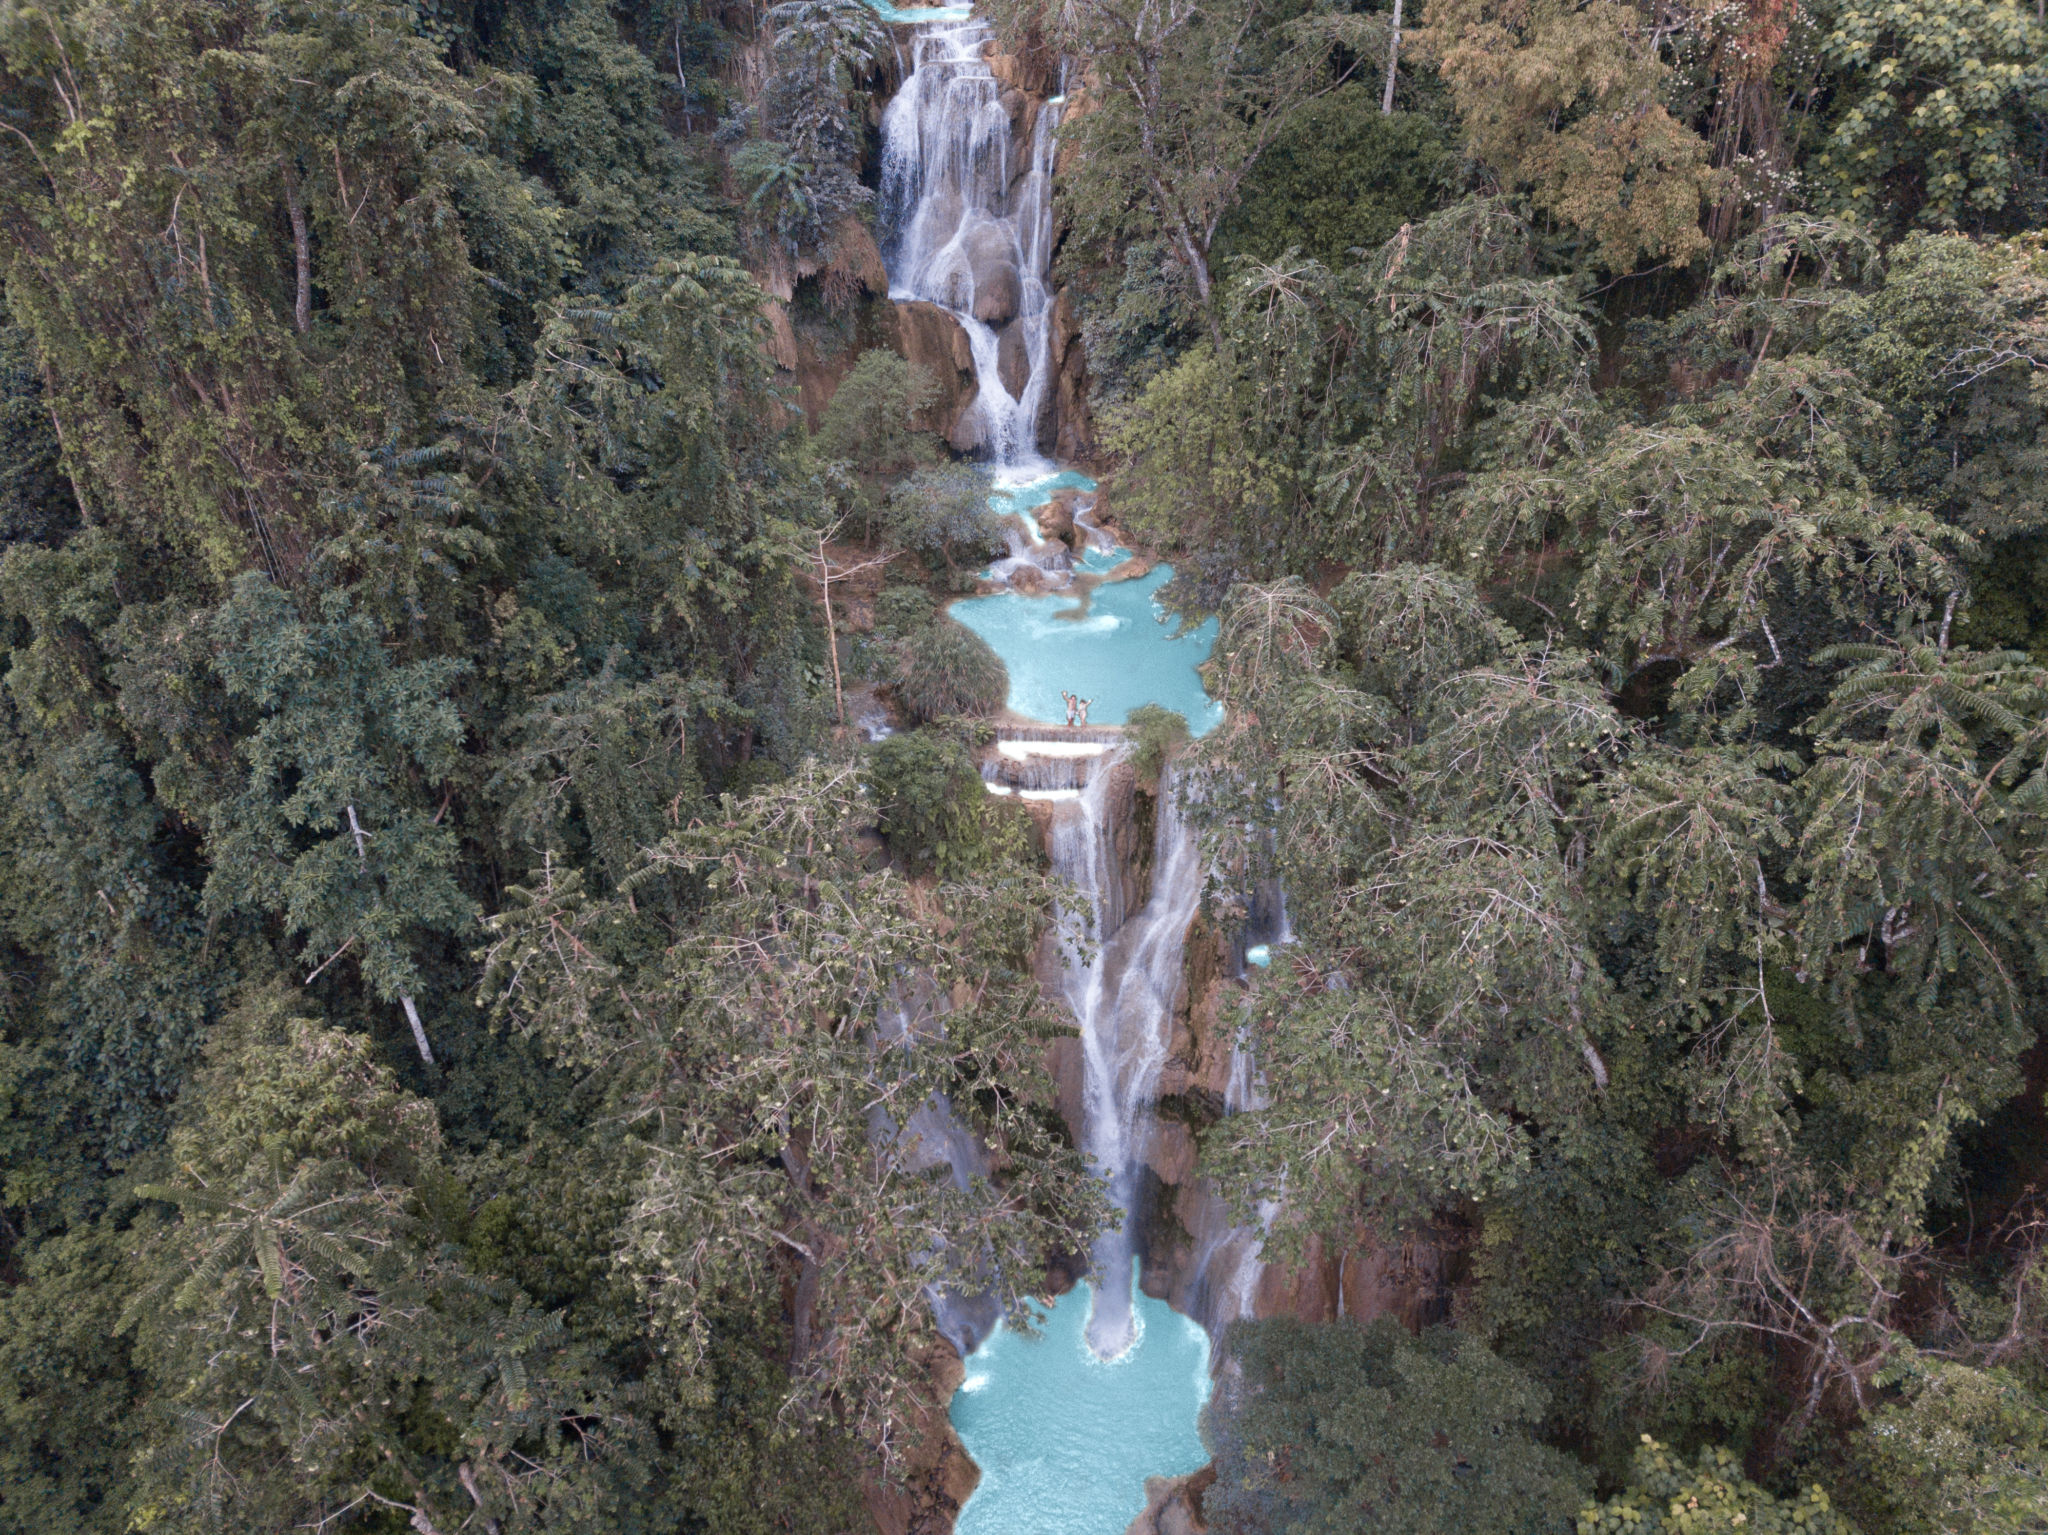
(943,513)
(1341,177)
(1665,1493)
(1563,101)
(1339,413)
(1333,1427)
(306,1283)
(770,1062)
(323,826)
(196,187)
(869,420)
(933,808)
(1963,1449)
(1183,100)
(1932,116)
(798,177)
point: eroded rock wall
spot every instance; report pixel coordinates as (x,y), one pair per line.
(1187,1256)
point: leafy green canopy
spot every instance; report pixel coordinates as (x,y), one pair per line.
(1338,1427)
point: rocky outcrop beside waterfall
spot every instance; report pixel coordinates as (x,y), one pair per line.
(937,1474)
(1066,429)
(1173,1504)
(932,339)
(1194,1257)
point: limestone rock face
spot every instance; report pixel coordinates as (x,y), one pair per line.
(932,339)
(854,251)
(1033,69)
(781,335)
(1173,1504)
(1065,428)
(937,1477)
(1013,361)
(1024,125)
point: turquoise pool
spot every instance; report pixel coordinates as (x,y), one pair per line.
(1125,651)
(1065,1440)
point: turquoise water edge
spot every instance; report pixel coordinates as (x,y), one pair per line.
(1065,1440)
(1125,650)
(1118,647)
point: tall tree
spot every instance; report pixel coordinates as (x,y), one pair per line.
(1180,101)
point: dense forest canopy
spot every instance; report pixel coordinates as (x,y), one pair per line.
(463,980)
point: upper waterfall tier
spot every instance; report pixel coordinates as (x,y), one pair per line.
(967,213)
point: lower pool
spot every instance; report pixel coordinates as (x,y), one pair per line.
(1065,1440)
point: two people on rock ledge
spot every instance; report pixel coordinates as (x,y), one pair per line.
(1077,708)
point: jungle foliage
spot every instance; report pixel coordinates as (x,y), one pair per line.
(467,982)
(453,992)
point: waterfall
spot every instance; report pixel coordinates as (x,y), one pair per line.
(1121,983)
(968,221)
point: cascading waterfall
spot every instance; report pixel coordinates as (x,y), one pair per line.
(969,228)
(967,215)
(1121,977)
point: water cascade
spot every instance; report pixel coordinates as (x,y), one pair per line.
(1121,975)
(968,212)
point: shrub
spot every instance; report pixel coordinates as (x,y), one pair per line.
(868,424)
(1336,1428)
(942,513)
(1155,735)
(1340,177)
(1666,1495)
(902,611)
(945,670)
(930,798)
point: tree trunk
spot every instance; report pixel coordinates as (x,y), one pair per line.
(831,630)
(302,254)
(1198,269)
(1393,58)
(419,1034)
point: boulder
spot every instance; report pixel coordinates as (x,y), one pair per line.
(1173,1504)
(967,434)
(1056,517)
(991,254)
(1013,359)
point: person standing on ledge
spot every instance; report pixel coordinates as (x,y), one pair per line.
(1072,704)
